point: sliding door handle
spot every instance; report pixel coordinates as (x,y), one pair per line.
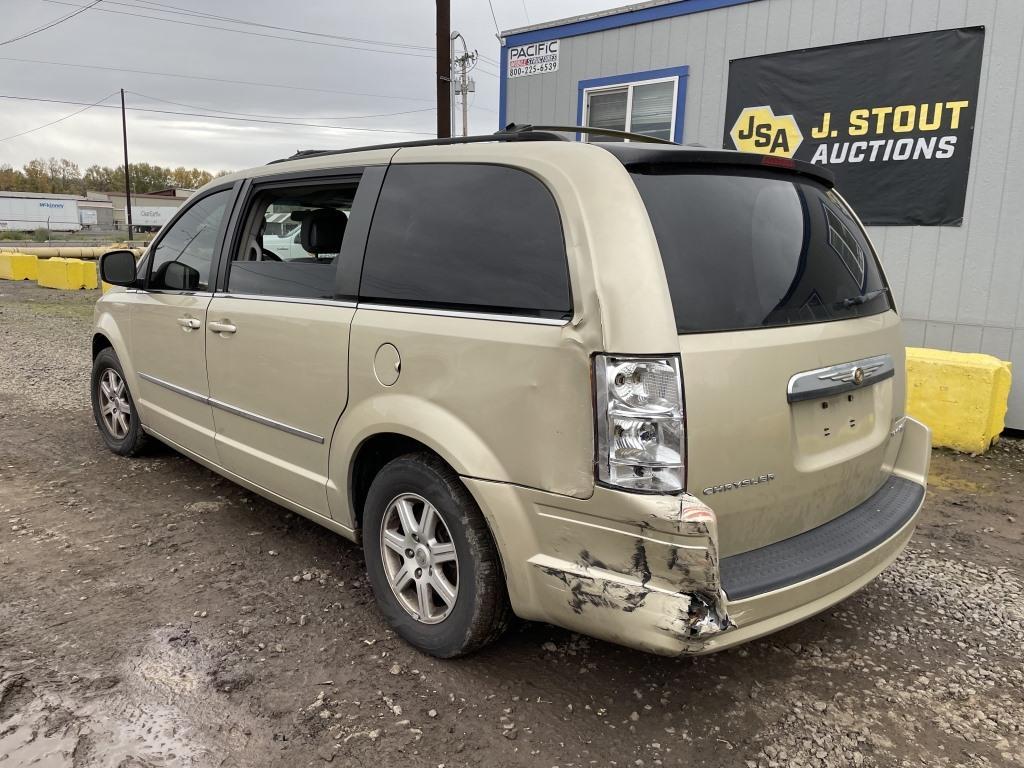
(222,327)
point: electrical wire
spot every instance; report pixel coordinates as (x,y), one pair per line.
(497,30)
(60,119)
(221,117)
(166,8)
(212,79)
(247,32)
(283,117)
(52,24)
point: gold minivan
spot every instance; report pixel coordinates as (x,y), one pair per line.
(650,393)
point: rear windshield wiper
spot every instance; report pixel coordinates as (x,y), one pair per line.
(864,298)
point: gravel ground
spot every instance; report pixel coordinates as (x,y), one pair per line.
(153,614)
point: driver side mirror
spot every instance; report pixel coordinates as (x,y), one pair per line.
(118,268)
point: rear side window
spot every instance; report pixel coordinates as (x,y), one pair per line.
(749,250)
(474,237)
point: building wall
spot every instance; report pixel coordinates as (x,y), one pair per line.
(142,201)
(957,288)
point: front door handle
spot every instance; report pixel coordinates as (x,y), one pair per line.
(189,323)
(222,327)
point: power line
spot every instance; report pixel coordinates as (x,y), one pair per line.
(52,24)
(204,78)
(283,117)
(201,14)
(221,117)
(497,31)
(213,79)
(59,119)
(246,32)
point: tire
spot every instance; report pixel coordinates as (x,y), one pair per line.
(121,430)
(479,612)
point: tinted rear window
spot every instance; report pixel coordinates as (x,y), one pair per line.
(753,250)
(475,237)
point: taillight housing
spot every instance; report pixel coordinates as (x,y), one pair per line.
(641,432)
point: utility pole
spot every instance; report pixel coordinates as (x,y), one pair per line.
(444,69)
(127,174)
(464,85)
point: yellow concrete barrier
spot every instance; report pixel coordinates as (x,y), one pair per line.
(961,397)
(18,266)
(67,274)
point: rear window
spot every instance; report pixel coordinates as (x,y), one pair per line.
(758,249)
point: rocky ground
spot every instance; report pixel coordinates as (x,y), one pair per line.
(153,614)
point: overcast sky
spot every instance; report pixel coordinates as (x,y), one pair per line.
(340,85)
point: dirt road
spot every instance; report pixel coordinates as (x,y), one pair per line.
(153,614)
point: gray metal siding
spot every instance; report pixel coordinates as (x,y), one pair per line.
(957,288)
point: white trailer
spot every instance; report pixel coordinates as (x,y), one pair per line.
(24,214)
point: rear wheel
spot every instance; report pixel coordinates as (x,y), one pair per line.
(113,406)
(431,559)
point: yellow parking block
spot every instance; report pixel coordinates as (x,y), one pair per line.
(67,274)
(962,397)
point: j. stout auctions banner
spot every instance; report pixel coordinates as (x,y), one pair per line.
(892,118)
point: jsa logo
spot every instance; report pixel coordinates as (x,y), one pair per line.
(760,130)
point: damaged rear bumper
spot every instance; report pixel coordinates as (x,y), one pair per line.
(644,571)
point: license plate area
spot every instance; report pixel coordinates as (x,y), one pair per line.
(831,429)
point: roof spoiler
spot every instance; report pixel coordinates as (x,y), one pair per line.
(639,158)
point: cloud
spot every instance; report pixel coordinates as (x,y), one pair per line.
(312,73)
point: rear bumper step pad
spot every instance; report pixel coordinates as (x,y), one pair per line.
(821,549)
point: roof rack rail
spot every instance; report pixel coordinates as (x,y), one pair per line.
(511,132)
(640,137)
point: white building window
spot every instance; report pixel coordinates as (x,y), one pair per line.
(647,107)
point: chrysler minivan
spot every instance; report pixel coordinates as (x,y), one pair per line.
(649,393)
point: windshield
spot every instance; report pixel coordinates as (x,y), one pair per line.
(752,249)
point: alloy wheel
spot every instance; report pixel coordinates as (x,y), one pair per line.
(115,410)
(419,556)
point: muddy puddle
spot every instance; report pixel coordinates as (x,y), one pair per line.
(159,710)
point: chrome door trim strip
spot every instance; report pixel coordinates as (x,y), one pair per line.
(175,388)
(287,299)
(836,379)
(525,319)
(265,421)
(214,403)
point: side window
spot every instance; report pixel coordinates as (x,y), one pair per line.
(182,259)
(474,237)
(292,241)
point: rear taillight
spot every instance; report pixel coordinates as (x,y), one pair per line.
(641,438)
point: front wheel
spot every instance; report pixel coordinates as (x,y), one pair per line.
(113,406)
(431,560)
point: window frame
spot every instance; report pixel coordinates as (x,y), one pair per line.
(678,75)
(467,310)
(348,265)
(218,248)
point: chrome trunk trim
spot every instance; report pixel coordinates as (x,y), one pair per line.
(836,379)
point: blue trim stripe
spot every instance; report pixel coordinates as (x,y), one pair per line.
(623,19)
(682,73)
(502,86)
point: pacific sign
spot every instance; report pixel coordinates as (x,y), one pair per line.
(533,59)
